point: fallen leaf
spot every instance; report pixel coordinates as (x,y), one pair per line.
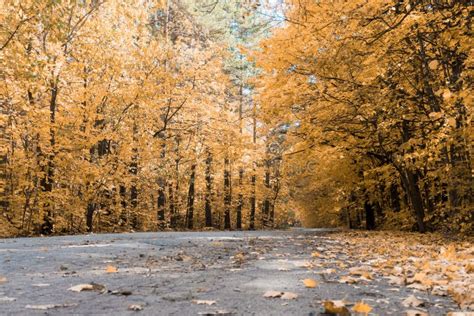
(88,287)
(41,285)
(81,287)
(49,306)
(418,286)
(394,280)
(348,280)
(310,283)
(315,254)
(135,307)
(412,301)
(218,312)
(336,307)
(111,269)
(204,302)
(123,293)
(361,271)
(7,299)
(414,312)
(440,290)
(289,296)
(272,294)
(3,279)
(362,308)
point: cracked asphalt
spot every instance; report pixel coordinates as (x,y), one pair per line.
(168,273)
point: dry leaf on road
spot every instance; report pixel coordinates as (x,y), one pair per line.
(289,296)
(414,312)
(48,306)
(7,299)
(272,294)
(204,302)
(135,307)
(88,287)
(336,307)
(362,308)
(310,283)
(412,301)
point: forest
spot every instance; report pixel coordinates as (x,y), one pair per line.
(149,115)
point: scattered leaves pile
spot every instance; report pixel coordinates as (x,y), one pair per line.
(428,263)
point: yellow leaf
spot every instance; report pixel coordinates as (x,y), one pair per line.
(362,308)
(111,269)
(310,283)
(336,307)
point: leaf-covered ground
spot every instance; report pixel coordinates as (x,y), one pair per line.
(299,272)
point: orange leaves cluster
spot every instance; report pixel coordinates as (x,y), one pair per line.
(424,263)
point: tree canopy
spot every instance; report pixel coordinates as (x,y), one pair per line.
(177,114)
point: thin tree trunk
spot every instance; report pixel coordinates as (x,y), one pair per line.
(171,205)
(190,206)
(369,215)
(252,203)
(266,202)
(227,195)
(240,202)
(48,179)
(208,197)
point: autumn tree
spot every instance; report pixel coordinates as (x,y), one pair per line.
(384,88)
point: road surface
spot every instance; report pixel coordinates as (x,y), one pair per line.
(180,273)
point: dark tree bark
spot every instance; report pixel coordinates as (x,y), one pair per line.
(190,206)
(394,198)
(161,203)
(266,202)
(123,205)
(253,201)
(171,204)
(90,216)
(227,195)
(208,197)
(414,193)
(240,203)
(369,215)
(47,180)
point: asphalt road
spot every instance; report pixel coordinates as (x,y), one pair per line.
(169,273)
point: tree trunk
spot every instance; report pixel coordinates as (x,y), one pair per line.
(190,206)
(369,216)
(172,210)
(161,203)
(47,180)
(252,203)
(227,195)
(394,198)
(266,202)
(240,202)
(208,197)
(414,193)
(90,216)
